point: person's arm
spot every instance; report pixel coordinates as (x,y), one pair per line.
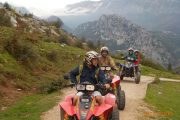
(112,63)
(73,74)
(101,77)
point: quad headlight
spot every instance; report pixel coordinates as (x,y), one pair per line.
(80,87)
(103,68)
(90,87)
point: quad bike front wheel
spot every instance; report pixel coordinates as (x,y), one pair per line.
(115,114)
(64,116)
(137,77)
(121,100)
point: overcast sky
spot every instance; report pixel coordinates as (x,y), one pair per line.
(42,7)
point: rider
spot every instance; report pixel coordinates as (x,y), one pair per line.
(131,55)
(138,56)
(89,72)
(105,59)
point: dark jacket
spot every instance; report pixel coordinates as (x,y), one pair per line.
(87,75)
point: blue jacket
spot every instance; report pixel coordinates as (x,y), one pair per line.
(87,75)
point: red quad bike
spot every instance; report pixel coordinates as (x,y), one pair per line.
(115,89)
(86,107)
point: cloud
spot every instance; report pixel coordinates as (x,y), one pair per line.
(42,7)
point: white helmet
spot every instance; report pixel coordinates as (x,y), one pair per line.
(104,49)
(130,49)
(90,55)
(136,51)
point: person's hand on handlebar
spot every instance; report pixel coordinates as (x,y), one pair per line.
(107,86)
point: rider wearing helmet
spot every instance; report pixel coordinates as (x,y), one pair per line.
(137,54)
(89,72)
(131,55)
(105,59)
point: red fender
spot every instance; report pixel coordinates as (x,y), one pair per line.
(99,110)
(115,81)
(110,99)
(67,105)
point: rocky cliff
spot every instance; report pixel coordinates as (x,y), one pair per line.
(119,34)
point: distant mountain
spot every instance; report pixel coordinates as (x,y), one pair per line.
(120,34)
(151,14)
(171,41)
(55,18)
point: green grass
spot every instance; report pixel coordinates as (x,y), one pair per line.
(165,96)
(153,72)
(30,107)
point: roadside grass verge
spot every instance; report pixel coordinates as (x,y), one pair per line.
(154,72)
(30,107)
(165,96)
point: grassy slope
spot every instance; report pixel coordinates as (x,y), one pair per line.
(31,106)
(165,97)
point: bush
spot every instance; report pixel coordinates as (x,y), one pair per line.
(52,56)
(53,86)
(30,15)
(58,23)
(64,39)
(91,44)
(22,51)
(156,80)
(79,44)
(7,6)
(152,64)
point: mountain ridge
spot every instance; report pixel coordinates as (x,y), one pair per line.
(119,33)
(153,15)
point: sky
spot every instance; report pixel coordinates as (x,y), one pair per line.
(42,7)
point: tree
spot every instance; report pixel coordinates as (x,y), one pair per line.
(91,44)
(58,23)
(7,6)
(169,67)
(99,44)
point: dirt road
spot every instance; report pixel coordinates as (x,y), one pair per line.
(135,107)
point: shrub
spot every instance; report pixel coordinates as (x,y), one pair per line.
(22,51)
(58,23)
(152,64)
(156,80)
(91,44)
(4,19)
(79,44)
(64,39)
(7,6)
(30,15)
(53,86)
(52,56)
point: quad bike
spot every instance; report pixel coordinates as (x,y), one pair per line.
(86,107)
(129,69)
(115,89)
